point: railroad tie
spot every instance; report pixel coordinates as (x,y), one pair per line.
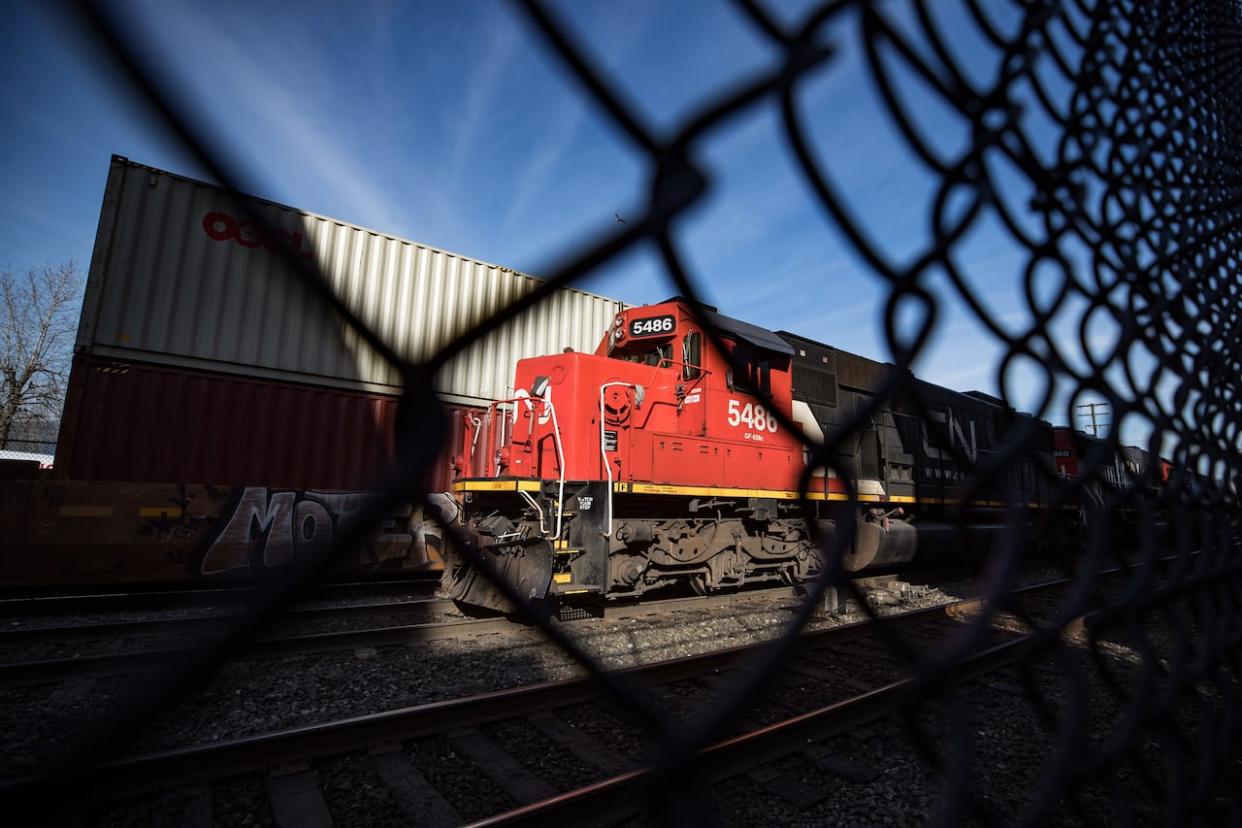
(875,652)
(808,660)
(74,689)
(579,744)
(418,800)
(806,668)
(722,684)
(188,807)
(789,788)
(511,775)
(296,799)
(835,762)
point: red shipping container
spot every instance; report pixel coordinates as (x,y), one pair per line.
(128,421)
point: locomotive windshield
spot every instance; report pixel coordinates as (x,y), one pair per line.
(652,355)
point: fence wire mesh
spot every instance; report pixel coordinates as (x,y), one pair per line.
(41,451)
(1105,143)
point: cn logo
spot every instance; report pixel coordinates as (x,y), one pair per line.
(956,438)
(543,413)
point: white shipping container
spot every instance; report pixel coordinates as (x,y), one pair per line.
(178,278)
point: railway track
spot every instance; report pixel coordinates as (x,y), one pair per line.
(55,606)
(59,669)
(618,779)
(190,631)
(199,624)
(66,604)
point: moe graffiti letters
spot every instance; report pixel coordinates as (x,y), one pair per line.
(57,531)
(268,529)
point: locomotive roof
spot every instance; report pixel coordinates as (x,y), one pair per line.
(755,335)
(744,330)
(985,397)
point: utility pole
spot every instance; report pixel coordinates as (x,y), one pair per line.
(1095,423)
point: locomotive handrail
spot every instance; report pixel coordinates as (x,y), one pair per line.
(669,362)
(492,411)
(476,424)
(697,383)
(560,461)
(529,498)
(560,455)
(603,453)
(500,439)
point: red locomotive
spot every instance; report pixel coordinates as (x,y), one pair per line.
(646,464)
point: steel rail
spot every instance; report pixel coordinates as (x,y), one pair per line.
(622,795)
(207,623)
(69,604)
(639,609)
(36,672)
(153,771)
(212,622)
(692,603)
(28,672)
(45,670)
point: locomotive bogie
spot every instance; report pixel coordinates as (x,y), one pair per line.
(641,553)
(710,554)
(652,542)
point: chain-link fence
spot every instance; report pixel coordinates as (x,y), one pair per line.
(1102,143)
(36,451)
(32,441)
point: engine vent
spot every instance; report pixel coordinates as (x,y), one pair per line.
(811,384)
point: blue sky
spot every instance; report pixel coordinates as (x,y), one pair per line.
(450,124)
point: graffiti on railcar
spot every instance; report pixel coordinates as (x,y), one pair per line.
(54,530)
(269,528)
(177,520)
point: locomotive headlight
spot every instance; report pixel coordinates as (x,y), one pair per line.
(618,333)
(619,321)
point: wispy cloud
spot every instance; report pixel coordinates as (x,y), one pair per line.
(481,90)
(562,124)
(541,170)
(274,101)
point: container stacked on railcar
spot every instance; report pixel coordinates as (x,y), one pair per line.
(207,378)
(202,358)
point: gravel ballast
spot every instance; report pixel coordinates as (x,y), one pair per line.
(875,776)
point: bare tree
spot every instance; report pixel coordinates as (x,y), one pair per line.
(38,319)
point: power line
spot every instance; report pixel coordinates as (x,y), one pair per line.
(1095,422)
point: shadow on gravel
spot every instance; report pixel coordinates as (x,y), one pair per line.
(1100,713)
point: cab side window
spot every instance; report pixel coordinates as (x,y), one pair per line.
(756,366)
(691,350)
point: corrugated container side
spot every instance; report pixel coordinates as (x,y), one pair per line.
(153,423)
(178,278)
